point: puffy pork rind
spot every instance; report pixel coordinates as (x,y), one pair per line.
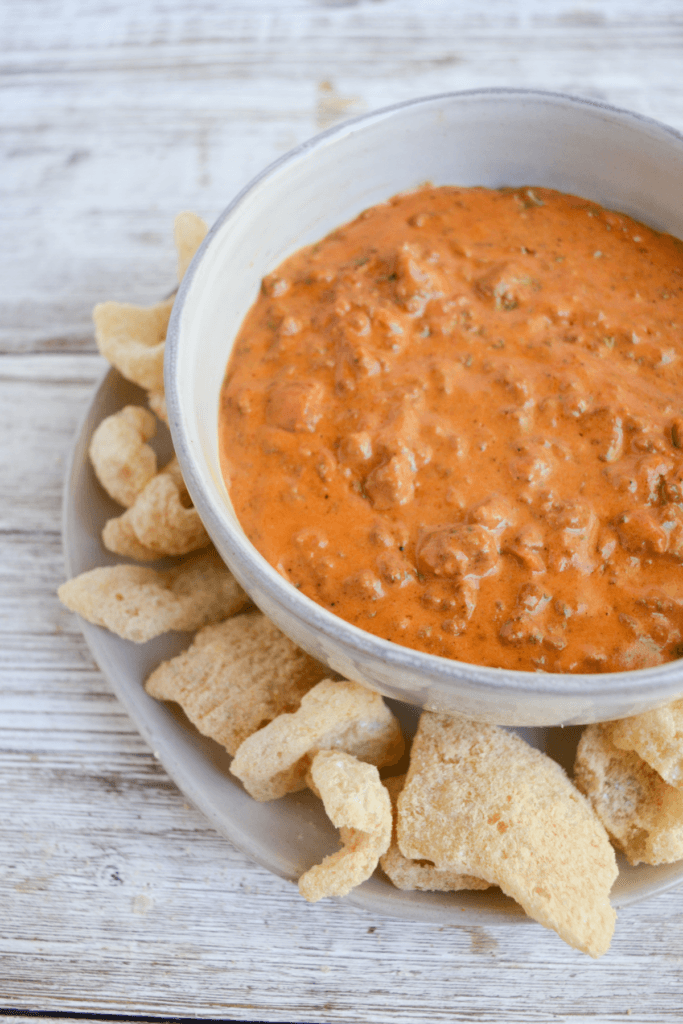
(132,339)
(410,874)
(338,715)
(358,804)
(189,231)
(118,536)
(642,812)
(159,522)
(657,736)
(122,461)
(138,603)
(162,522)
(480,801)
(235,677)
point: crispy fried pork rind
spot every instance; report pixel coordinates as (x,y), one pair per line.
(189,231)
(236,677)
(132,339)
(479,800)
(159,522)
(407,874)
(138,603)
(118,536)
(338,715)
(162,522)
(642,812)
(657,736)
(358,804)
(123,463)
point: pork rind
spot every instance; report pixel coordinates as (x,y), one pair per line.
(480,801)
(118,536)
(159,522)
(189,231)
(122,461)
(358,804)
(236,677)
(138,603)
(642,812)
(162,521)
(337,715)
(407,874)
(657,736)
(132,339)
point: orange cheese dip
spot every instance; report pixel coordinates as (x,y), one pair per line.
(457,422)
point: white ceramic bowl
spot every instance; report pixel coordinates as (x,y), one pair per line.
(487,137)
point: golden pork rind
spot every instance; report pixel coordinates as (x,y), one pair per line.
(481,801)
(160,522)
(407,874)
(338,715)
(189,231)
(235,677)
(642,812)
(118,536)
(358,804)
(132,339)
(138,603)
(122,461)
(657,736)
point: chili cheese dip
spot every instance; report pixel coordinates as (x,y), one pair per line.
(457,422)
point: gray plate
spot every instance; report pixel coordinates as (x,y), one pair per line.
(286,836)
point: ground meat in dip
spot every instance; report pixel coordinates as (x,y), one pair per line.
(457,422)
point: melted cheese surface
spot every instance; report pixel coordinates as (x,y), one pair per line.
(457,422)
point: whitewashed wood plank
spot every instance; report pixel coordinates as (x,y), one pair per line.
(197,102)
(38,419)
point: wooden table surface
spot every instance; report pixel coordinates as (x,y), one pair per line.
(116,897)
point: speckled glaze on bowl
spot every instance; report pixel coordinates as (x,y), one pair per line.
(487,137)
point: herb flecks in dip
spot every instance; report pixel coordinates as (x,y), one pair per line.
(458,423)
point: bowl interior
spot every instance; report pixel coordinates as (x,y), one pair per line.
(490,138)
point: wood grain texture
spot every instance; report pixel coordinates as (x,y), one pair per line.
(114,118)
(115,895)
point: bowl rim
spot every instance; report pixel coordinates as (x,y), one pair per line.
(664,681)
